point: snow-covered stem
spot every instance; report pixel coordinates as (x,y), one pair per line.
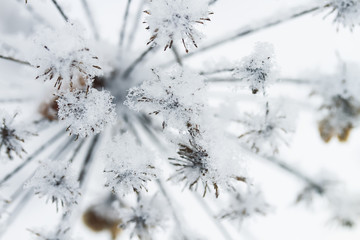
(90,18)
(132,66)
(177,55)
(77,150)
(295,172)
(253,29)
(125,21)
(88,159)
(60,10)
(212,216)
(15,60)
(33,156)
(136,24)
(16,211)
(172,208)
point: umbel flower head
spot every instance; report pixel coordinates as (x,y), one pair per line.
(63,58)
(257,70)
(267,132)
(211,161)
(347,12)
(123,171)
(12,136)
(245,204)
(178,95)
(146,217)
(341,116)
(176,20)
(340,110)
(86,112)
(55,180)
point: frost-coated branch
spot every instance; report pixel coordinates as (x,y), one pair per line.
(60,10)
(90,17)
(15,60)
(252,29)
(125,21)
(33,156)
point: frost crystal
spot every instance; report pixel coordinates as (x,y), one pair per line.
(146,217)
(175,20)
(213,161)
(347,12)
(177,95)
(124,172)
(55,180)
(245,204)
(86,113)
(63,58)
(267,132)
(257,69)
(11,136)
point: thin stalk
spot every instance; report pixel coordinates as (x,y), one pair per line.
(217,223)
(250,30)
(149,131)
(62,150)
(177,55)
(136,24)
(15,60)
(32,156)
(36,16)
(90,18)
(132,66)
(279,80)
(15,100)
(88,159)
(296,173)
(22,203)
(173,211)
(60,10)
(217,71)
(77,150)
(125,20)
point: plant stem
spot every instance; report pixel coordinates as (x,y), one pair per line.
(132,66)
(60,10)
(31,157)
(88,159)
(136,24)
(90,18)
(217,223)
(125,20)
(296,173)
(250,30)
(15,60)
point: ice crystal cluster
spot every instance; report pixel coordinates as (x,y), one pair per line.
(268,130)
(57,183)
(347,12)
(177,95)
(257,69)
(62,60)
(176,20)
(146,217)
(12,136)
(86,113)
(123,173)
(159,138)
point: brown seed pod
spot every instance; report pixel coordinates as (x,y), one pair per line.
(98,222)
